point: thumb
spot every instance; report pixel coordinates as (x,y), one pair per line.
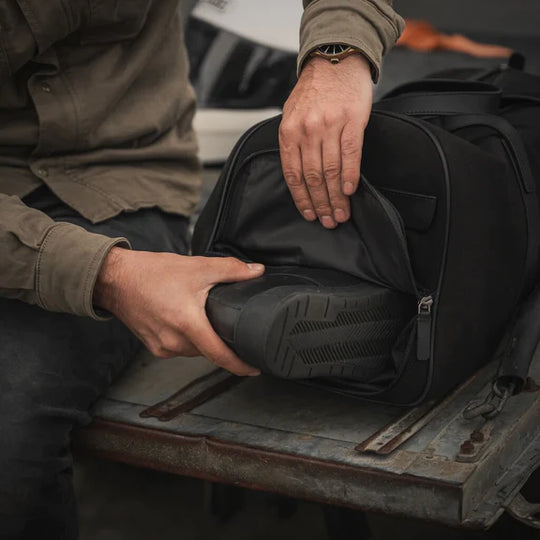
(228,270)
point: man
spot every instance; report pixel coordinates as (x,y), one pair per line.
(97,156)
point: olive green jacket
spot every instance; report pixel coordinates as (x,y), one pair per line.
(95,103)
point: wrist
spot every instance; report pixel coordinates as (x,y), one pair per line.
(354,62)
(107,287)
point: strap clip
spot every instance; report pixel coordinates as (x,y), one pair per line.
(493,404)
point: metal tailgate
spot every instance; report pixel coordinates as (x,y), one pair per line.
(186,417)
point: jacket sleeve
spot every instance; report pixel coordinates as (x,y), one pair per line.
(51,264)
(370,25)
(30,27)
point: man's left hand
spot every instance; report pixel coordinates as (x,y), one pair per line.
(321,136)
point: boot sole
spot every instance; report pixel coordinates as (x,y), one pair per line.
(333,333)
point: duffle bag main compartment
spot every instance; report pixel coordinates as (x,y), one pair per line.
(435,217)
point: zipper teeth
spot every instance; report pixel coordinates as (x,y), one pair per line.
(446,173)
(398,226)
(373,396)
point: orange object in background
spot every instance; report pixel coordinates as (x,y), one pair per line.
(422,36)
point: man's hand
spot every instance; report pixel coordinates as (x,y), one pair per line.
(161,298)
(321,136)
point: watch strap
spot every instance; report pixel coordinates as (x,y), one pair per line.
(334,52)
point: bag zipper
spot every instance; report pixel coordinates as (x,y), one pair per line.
(397,223)
(423,327)
(425,298)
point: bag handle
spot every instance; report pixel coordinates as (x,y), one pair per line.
(515,354)
(430,97)
(519,344)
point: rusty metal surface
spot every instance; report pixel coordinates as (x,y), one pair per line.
(298,441)
(195,393)
(150,380)
(503,491)
(474,448)
(515,437)
(524,511)
(254,468)
(303,445)
(393,435)
(285,406)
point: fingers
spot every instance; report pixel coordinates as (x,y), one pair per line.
(210,345)
(352,138)
(169,343)
(187,351)
(315,181)
(331,160)
(321,165)
(291,162)
(229,270)
(198,338)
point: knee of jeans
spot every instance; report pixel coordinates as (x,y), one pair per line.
(33,446)
(36,419)
(35,474)
(30,465)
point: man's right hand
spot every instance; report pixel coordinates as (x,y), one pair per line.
(161,298)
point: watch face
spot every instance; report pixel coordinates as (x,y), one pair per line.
(333,48)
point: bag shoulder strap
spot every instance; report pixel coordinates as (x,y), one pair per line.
(515,355)
(517,348)
(429,97)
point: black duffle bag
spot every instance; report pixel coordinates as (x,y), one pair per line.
(413,294)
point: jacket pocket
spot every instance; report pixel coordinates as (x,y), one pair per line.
(114,20)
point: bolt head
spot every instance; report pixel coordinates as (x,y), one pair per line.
(477,436)
(530,385)
(467,448)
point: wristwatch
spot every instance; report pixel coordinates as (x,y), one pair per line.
(334,52)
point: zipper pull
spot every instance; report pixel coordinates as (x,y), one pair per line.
(423,328)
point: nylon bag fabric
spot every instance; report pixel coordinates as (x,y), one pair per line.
(446,211)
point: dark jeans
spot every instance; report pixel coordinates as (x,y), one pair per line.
(53,367)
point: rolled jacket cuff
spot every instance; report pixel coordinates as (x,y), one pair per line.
(372,30)
(68,265)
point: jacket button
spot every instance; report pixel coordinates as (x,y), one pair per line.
(43,172)
(45,87)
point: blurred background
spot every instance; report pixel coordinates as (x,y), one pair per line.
(243,54)
(243,65)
